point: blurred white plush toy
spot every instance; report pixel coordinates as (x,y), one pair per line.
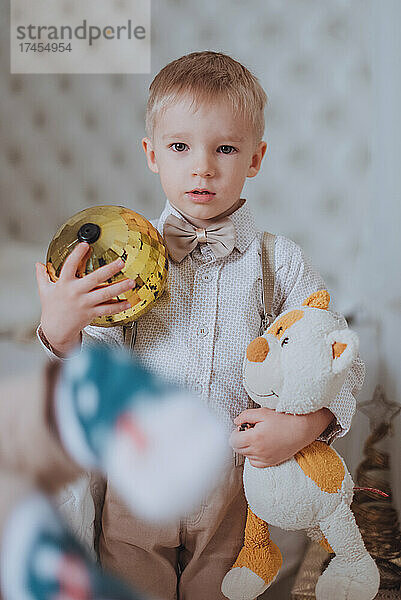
(117,417)
(298,366)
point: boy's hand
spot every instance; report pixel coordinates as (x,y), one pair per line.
(73,302)
(276,437)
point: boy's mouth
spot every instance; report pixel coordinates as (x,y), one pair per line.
(201,194)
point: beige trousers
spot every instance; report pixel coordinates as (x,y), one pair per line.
(186,560)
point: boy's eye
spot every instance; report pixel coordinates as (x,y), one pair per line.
(225,149)
(179,146)
(285,341)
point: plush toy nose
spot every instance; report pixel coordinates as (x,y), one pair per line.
(258,350)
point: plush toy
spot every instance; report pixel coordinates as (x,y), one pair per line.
(100,410)
(298,366)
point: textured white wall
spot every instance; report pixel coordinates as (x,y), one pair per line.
(380,264)
(72,141)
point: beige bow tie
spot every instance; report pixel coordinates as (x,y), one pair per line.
(181,237)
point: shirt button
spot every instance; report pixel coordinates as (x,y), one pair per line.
(198,387)
(202,331)
(207,277)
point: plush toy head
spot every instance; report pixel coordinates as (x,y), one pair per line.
(300,363)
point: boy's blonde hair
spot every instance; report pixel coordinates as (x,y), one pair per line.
(205,77)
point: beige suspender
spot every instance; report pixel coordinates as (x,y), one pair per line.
(268,270)
(130,335)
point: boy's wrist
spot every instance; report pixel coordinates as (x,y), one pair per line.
(312,426)
(327,418)
(59,349)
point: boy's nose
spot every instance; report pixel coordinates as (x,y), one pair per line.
(206,172)
(203,168)
(258,350)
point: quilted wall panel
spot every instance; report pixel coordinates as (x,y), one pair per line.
(71,141)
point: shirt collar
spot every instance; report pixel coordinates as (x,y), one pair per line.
(242,218)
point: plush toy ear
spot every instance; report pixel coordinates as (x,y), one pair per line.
(320,299)
(343,346)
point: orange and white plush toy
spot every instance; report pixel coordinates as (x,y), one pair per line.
(298,366)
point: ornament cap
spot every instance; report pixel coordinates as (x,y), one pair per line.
(89,232)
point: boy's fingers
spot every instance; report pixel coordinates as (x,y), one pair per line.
(240,440)
(42,276)
(73,261)
(111,291)
(101,275)
(109,309)
(252,415)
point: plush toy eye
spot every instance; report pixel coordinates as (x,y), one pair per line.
(285,341)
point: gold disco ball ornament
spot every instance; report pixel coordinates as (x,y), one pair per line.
(115,232)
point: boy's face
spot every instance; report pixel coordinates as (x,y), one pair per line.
(203,156)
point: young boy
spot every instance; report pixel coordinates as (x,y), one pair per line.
(205,122)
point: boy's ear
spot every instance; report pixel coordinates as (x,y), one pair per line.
(257,157)
(150,154)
